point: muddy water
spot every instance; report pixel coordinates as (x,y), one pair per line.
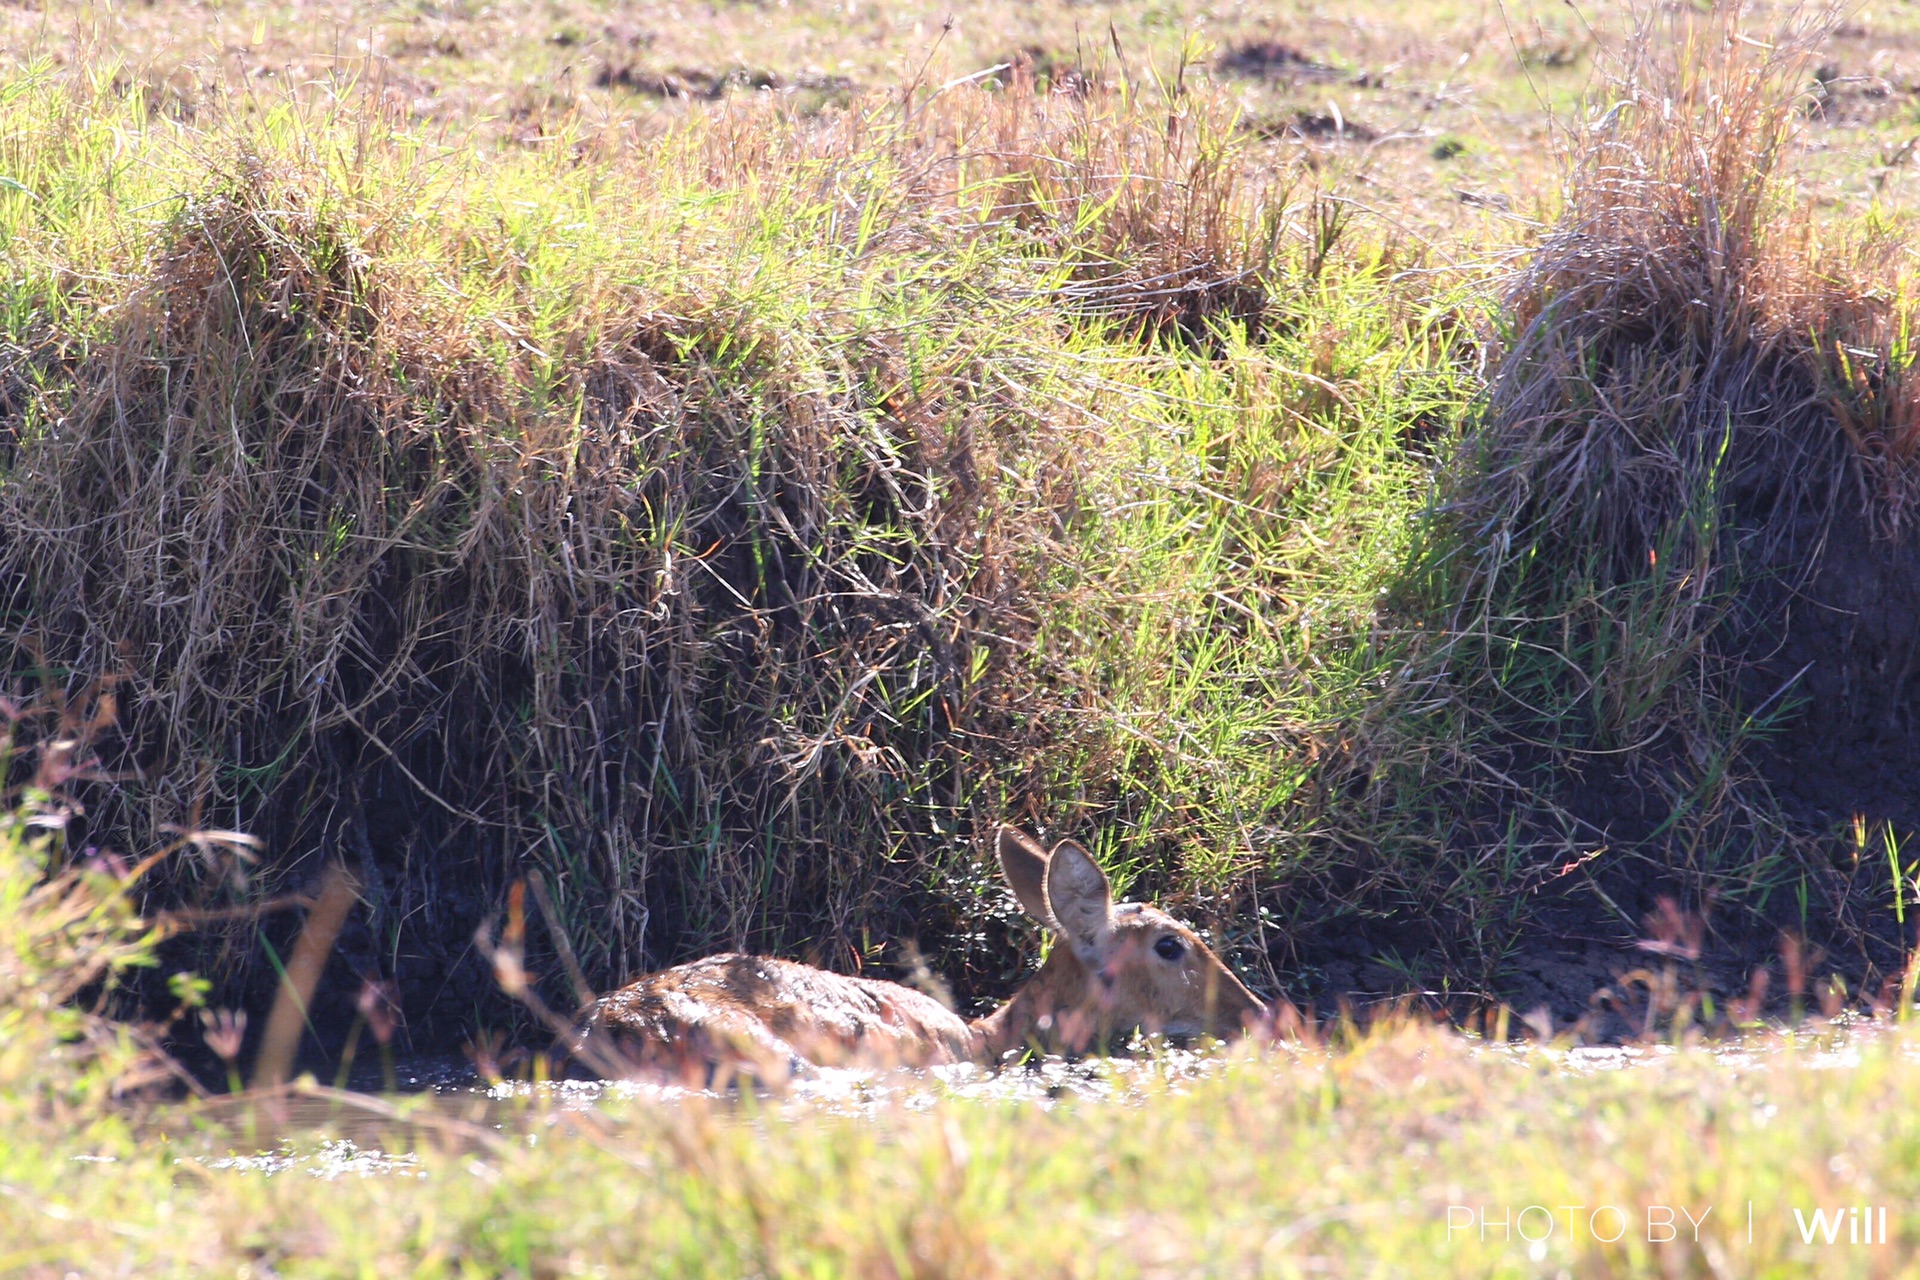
(315,1131)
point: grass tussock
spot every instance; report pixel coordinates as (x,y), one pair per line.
(1142,200)
(1689,472)
(1686,326)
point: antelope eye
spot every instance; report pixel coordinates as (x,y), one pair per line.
(1169,948)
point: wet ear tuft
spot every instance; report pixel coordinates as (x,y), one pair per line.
(1081,900)
(1024,864)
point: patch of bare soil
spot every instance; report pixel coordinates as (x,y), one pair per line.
(1273,60)
(1312,126)
(699,84)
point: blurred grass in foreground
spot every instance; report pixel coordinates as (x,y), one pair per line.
(1382,1156)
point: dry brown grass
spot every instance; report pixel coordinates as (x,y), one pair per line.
(1685,317)
(1146,202)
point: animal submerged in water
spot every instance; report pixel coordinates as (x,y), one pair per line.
(1113,969)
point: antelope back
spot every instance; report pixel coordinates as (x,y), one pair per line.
(766,1018)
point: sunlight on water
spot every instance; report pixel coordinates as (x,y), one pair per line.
(329,1158)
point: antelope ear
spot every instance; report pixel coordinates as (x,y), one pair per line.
(1082,902)
(1024,864)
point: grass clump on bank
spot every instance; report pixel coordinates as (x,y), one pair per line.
(1670,551)
(725,528)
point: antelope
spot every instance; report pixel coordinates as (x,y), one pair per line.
(1113,969)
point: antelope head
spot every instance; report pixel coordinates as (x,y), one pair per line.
(1112,968)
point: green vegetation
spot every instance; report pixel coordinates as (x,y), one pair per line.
(712,472)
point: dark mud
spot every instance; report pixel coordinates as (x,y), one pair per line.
(1844,648)
(1273,60)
